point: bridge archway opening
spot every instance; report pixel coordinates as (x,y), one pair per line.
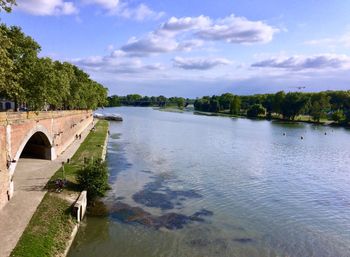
(37,147)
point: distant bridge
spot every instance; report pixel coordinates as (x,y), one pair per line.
(41,135)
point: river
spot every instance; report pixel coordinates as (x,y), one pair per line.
(186,185)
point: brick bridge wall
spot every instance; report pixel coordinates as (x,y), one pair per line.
(16,128)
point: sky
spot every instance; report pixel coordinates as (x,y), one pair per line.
(193,48)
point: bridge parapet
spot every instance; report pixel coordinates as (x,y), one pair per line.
(13,117)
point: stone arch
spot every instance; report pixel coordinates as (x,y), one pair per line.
(38,147)
(37,133)
(8,106)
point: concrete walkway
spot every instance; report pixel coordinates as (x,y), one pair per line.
(30,177)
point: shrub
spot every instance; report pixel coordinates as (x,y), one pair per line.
(338,116)
(256,110)
(93,178)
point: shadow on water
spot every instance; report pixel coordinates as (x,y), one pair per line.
(157,195)
(116,159)
(127,214)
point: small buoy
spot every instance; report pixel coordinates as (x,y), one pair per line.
(301,137)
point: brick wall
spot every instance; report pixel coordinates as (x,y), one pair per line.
(16,128)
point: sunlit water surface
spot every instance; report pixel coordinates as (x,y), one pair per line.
(269,194)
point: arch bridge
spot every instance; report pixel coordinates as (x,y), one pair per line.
(38,135)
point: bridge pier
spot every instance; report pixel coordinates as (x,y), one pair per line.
(42,135)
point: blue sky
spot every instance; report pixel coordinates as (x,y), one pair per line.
(193,48)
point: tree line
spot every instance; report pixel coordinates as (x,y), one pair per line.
(36,83)
(147,101)
(331,105)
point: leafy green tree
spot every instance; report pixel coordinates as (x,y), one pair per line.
(161,100)
(23,53)
(278,101)
(293,104)
(319,106)
(214,105)
(94,178)
(6,5)
(256,110)
(40,82)
(338,116)
(225,101)
(235,105)
(8,77)
(114,101)
(180,102)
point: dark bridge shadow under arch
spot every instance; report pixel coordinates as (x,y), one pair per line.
(38,147)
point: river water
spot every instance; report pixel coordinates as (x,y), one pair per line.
(233,187)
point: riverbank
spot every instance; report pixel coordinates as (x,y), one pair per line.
(49,231)
(300,118)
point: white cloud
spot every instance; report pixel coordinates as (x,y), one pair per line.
(186,23)
(179,34)
(343,40)
(106,4)
(231,29)
(115,65)
(189,45)
(47,7)
(238,30)
(140,13)
(303,63)
(150,45)
(124,9)
(199,63)
(157,44)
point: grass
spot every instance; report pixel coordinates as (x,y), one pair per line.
(171,109)
(92,147)
(299,118)
(50,228)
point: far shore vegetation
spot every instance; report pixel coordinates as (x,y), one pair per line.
(322,107)
(51,226)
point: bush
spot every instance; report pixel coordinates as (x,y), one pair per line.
(93,178)
(256,110)
(338,116)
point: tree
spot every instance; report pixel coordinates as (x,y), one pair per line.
(256,110)
(94,178)
(214,105)
(319,105)
(23,53)
(114,101)
(235,105)
(292,105)
(225,101)
(338,116)
(41,82)
(277,102)
(161,100)
(7,75)
(180,102)
(6,5)
(40,85)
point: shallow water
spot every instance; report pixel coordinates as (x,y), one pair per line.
(188,185)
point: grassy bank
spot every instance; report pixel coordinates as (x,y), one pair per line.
(92,147)
(300,118)
(50,228)
(169,109)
